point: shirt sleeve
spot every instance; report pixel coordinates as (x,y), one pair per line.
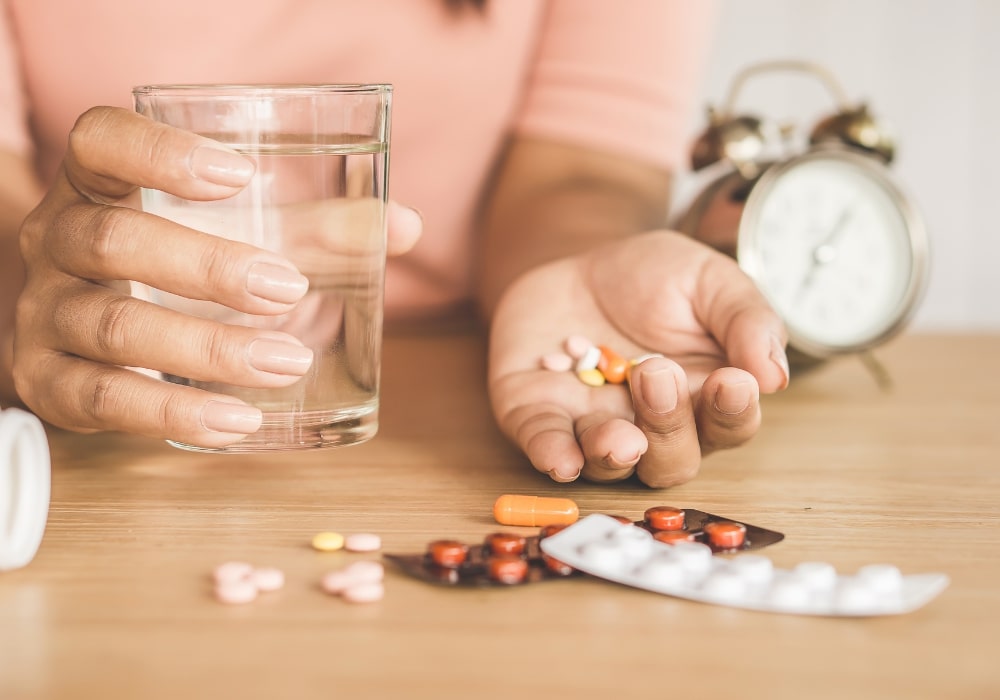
(13,119)
(619,76)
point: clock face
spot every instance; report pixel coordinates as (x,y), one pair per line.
(835,248)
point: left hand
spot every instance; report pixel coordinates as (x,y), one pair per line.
(658,292)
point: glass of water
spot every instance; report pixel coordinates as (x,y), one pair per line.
(319,199)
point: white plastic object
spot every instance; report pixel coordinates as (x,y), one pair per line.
(603,547)
(25,482)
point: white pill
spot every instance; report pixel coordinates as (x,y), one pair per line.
(884,579)
(662,570)
(362,542)
(237,592)
(336,582)
(589,359)
(365,571)
(232,571)
(604,554)
(789,592)
(695,557)
(364,593)
(268,578)
(634,541)
(753,568)
(724,585)
(816,575)
(853,596)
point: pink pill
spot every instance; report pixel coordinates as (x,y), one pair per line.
(557,362)
(336,582)
(362,542)
(232,571)
(577,346)
(364,593)
(365,571)
(268,578)
(238,592)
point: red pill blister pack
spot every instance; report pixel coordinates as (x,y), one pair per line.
(506,558)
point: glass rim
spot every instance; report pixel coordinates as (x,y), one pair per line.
(258,89)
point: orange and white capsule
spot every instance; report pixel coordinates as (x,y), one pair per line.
(612,365)
(534,511)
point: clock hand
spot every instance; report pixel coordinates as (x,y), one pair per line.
(825,251)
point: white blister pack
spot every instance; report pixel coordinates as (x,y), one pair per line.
(603,547)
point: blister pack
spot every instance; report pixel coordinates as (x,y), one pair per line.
(606,548)
(505,558)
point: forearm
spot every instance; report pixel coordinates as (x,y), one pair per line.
(550,201)
(19,192)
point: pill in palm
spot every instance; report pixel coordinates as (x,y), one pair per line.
(577,346)
(557,362)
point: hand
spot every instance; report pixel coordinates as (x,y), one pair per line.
(78,328)
(659,292)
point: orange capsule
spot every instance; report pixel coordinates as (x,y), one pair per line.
(534,511)
(507,568)
(505,543)
(725,534)
(665,518)
(448,553)
(673,536)
(612,365)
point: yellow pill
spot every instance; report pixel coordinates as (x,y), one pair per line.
(328,541)
(591,377)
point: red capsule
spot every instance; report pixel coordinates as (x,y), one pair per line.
(673,536)
(507,568)
(448,553)
(505,543)
(725,534)
(665,518)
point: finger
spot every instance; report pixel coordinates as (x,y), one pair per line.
(544,432)
(107,242)
(92,322)
(611,445)
(664,412)
(80,395)
(740,318)
(112,150)
(404,226)
(727,409)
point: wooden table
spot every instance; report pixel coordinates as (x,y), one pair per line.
(117,603)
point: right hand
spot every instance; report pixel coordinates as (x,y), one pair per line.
(78,329)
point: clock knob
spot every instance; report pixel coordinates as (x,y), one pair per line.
(855,127)
(739,140)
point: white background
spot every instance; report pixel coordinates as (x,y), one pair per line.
(931,70)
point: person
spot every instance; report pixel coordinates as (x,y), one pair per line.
(538,140)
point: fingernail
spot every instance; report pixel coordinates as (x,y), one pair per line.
(779,358)
(561,478)
(221,166)
(276,283)
(279,357)
(659,390)
(222,417)
(733,399)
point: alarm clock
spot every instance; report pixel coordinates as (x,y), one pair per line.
(830,238)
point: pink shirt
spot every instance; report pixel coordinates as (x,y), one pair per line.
(614,75)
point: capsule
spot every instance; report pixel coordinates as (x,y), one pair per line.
(612,365)
(507,568)
(664,518)
(725,534)
(534,511)
(556,567)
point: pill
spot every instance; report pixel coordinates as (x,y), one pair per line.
(724,585)
(364,593)
(753,568)
(622,519)
(232,571)
(673,536)
(589,359)
(555,566)
(557,362)
(612,365)
(328,541)
(268,578)
(505,543)
(603,555)
(591,377)
(448,553)
(634,542)
(362,542)
(550,530)
(882,578)
(853,596)
(358,573)
(577,346)
(816,575)
(511,509)
(725,534)
(664,518)
(236,592)
(507,568)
